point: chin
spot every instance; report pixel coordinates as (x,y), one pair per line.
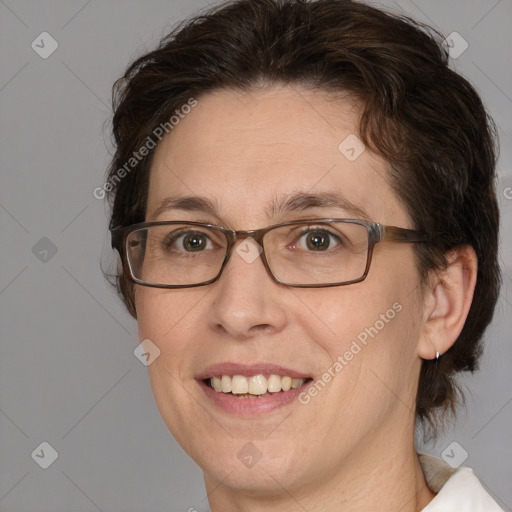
(267,476)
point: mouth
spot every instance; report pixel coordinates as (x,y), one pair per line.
(255,386)
(254,389)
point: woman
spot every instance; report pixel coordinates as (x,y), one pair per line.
(303,202)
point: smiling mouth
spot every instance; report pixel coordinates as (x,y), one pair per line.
(257,386)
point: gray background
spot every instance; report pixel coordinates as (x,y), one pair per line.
(68,375)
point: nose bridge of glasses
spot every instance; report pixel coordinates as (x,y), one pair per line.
(248,254)
(255,234)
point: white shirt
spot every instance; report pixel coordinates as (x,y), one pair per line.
(458,490)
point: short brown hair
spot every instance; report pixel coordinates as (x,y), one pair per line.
(426,121)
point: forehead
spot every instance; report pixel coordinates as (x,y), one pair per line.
(248,152)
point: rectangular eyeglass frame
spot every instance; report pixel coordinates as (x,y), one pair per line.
(377,232)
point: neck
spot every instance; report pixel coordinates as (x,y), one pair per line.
(384,475)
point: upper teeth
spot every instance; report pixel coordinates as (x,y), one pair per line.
(255,385)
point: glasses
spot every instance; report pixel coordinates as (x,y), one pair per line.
(304,254)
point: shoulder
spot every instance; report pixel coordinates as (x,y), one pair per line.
(457,489)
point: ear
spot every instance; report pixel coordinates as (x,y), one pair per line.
(447,301)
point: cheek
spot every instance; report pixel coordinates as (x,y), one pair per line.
(165,315)
(169,319)
(367,329)
(335,317)
(368,356)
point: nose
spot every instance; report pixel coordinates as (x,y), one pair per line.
(247,301)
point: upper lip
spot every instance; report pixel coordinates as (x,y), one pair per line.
(218,369)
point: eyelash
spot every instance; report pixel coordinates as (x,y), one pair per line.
(322,230)
(171,238)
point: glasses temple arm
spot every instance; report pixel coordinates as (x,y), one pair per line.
(397,234)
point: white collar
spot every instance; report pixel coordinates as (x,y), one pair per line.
(457,489)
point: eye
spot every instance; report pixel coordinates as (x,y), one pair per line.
(317,240)
(189,241)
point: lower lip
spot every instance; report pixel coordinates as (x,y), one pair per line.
(251,406)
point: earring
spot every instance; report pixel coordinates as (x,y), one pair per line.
(437,356)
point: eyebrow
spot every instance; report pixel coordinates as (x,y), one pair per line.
(187,204)
(303,201)
(296,202)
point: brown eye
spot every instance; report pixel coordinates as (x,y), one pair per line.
(188,241)
(318,240)
(195,242)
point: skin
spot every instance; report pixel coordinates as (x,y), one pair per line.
(352,445)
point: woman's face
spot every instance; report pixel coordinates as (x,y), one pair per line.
(248,155)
